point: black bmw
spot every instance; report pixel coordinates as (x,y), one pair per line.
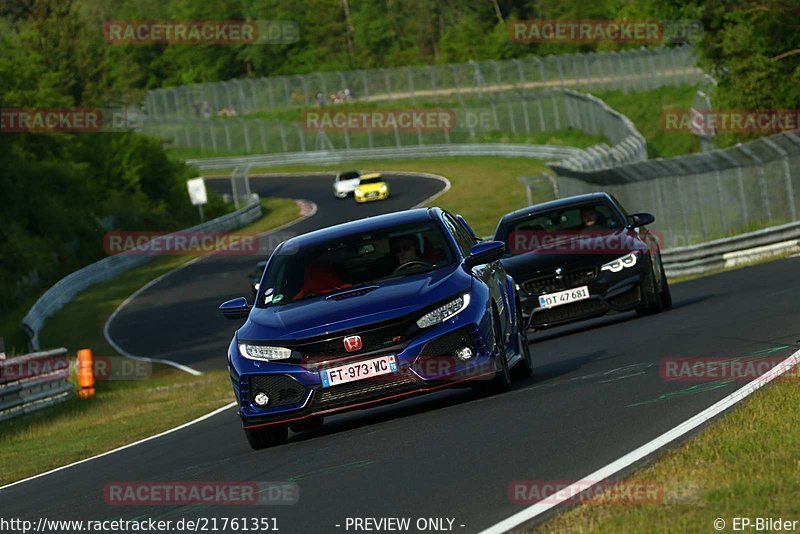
(581,257)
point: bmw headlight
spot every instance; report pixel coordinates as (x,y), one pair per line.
(264,353)
(615,266)
(443,313)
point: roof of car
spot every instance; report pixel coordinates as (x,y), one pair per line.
(371,175)
(364,225)
(554,204)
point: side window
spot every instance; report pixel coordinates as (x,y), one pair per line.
(463,240)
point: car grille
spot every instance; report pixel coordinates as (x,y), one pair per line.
(567,312)
(550,284)
(282,390)
(364,390)
(381,337)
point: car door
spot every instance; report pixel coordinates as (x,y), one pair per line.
(492,274)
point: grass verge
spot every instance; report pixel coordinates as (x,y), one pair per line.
(122,411)
(743,465)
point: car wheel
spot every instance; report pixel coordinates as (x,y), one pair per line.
(340,195)
(666,293)
(523,369)
(653,297)
(502,378)
(266,436)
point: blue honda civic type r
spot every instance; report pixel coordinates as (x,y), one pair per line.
(369,312)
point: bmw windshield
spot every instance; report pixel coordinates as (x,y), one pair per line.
(357,260)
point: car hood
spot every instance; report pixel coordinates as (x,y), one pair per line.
(320,315)
(367,188)
(573,252)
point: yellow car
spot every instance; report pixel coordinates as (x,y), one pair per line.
(371,187)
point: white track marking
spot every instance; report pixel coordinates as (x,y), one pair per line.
(645,450)
(170,431)
(307,209)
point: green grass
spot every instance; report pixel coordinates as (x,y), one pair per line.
(122,411)
(746,464)
(644,109)
(483,189)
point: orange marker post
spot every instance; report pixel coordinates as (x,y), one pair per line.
(85,373)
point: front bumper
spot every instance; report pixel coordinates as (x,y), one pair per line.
(371,196)
(425,363)
(609,292)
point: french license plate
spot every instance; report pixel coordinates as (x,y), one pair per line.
(551,300)
(358,371)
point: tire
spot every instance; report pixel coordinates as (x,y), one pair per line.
(666,293)
(523,369)
(266,436)
(502,379)
(654,297)
(340,196)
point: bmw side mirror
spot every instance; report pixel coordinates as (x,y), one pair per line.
(235,309)
(640,219)
(484,252)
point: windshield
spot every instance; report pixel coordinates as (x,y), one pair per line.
(348,175)
(356,260)
(371,180)
(547,227)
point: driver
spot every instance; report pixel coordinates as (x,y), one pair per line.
(404,249)
(590,218)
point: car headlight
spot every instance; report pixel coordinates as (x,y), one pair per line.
(443,313)
(261,352)
(383,189)
(615,266)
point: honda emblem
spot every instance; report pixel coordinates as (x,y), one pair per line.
(352,343)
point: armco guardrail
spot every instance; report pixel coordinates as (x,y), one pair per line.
(516,118)
(65,289)
(545,152)
(33,381)
(701,197)
(732,251)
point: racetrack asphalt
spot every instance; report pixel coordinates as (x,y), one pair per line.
(596,394)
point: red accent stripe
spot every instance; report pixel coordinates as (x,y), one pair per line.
(375,401)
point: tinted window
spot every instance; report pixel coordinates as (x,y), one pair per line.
(584,218)
(463,239)
(355,260)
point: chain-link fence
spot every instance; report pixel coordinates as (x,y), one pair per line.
(514,119)
(701,197)
(633,70)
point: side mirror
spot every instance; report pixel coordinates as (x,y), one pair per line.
(484,252)
(235,309)
(466,227)
(640,219)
